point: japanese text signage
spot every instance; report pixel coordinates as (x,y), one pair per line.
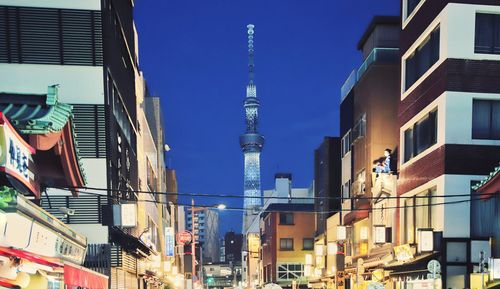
(184,237)
(15,154)
(169,241)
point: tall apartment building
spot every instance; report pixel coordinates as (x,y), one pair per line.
(368,110)
(449,116)
(233,244)
(327,186)
(89,49)
(206,232)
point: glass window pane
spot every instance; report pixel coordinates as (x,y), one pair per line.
(456,252)
(412,4)
(484,33)
(411,71)
(495,119)
(481,119)
(455,276)
(408,144)
(423,58)
(496,48)
(435,46)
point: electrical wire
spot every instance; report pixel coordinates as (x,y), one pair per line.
(252,197)
(472,198)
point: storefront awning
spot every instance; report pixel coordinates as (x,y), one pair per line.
(77,276)
(45,261)
(416,266)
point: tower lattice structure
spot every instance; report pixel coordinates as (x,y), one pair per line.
(251,141)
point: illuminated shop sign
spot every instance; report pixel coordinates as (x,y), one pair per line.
(15,156)
(169,241)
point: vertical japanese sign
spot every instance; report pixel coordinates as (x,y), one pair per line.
(15,155)
(169,241)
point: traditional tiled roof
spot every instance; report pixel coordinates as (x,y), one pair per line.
(487,179)
(35,113)
(40,114)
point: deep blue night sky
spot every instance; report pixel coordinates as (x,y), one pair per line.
(194,55)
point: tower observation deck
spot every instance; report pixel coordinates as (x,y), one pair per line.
(251,141)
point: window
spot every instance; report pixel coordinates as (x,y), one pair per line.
(359,129)
(286,244)
(346,143)
(487,39)
(411,5)
(308,244)
(290,271)
(286,218)
(422,135)
(346,190)
(417,215)
(481,212)
(486,119)
(422,59)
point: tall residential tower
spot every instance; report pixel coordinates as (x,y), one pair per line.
(251,142)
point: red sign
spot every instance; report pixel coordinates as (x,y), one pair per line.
(184,237)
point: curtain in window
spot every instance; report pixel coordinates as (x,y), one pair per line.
(422,211)
(424,57)
(434,57)
(423,135)
(483,225)
(495,119)
(411,74)
(480,119)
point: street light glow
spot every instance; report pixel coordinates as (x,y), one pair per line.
(221,207)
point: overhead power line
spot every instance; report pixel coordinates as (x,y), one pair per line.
(473,197)
(256,197)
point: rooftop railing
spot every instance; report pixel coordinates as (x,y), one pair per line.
(379,55)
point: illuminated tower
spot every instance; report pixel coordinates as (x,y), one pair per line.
(251,142)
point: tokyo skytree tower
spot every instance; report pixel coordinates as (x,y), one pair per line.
(251,142)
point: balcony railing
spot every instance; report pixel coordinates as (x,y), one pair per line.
(379,55)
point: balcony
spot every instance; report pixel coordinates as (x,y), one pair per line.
(378,55)
(384,184)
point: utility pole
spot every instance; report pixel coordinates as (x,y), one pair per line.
(193,247)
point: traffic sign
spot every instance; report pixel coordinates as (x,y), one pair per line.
(184,237)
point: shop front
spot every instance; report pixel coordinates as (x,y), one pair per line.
(38,251)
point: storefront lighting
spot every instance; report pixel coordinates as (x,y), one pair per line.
(341,233)
(309,259)
(363,233)
(332,248)
(379,234)
(319,249)
(425,240)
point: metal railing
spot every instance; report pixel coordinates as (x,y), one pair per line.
(379,55)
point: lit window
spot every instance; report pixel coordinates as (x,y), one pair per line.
(286,244)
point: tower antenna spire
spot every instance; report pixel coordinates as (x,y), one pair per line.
(250,33)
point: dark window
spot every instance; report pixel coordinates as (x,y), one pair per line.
(486,119)
(50,36)
(286,218)
(422,59)
(412,4)
(487,33)
(308,244)
(286,244)
(420,136)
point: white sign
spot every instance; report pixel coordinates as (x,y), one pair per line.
(426,241)
(319,249)
(128,215)
(379,234)
(495,268)
(332,248)
(309,259)
(363,233)
(341,233)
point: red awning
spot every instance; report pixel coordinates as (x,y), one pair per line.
(75,276)
(50,262)
(360,213)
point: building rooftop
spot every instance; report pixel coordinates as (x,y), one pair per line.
(377,20)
